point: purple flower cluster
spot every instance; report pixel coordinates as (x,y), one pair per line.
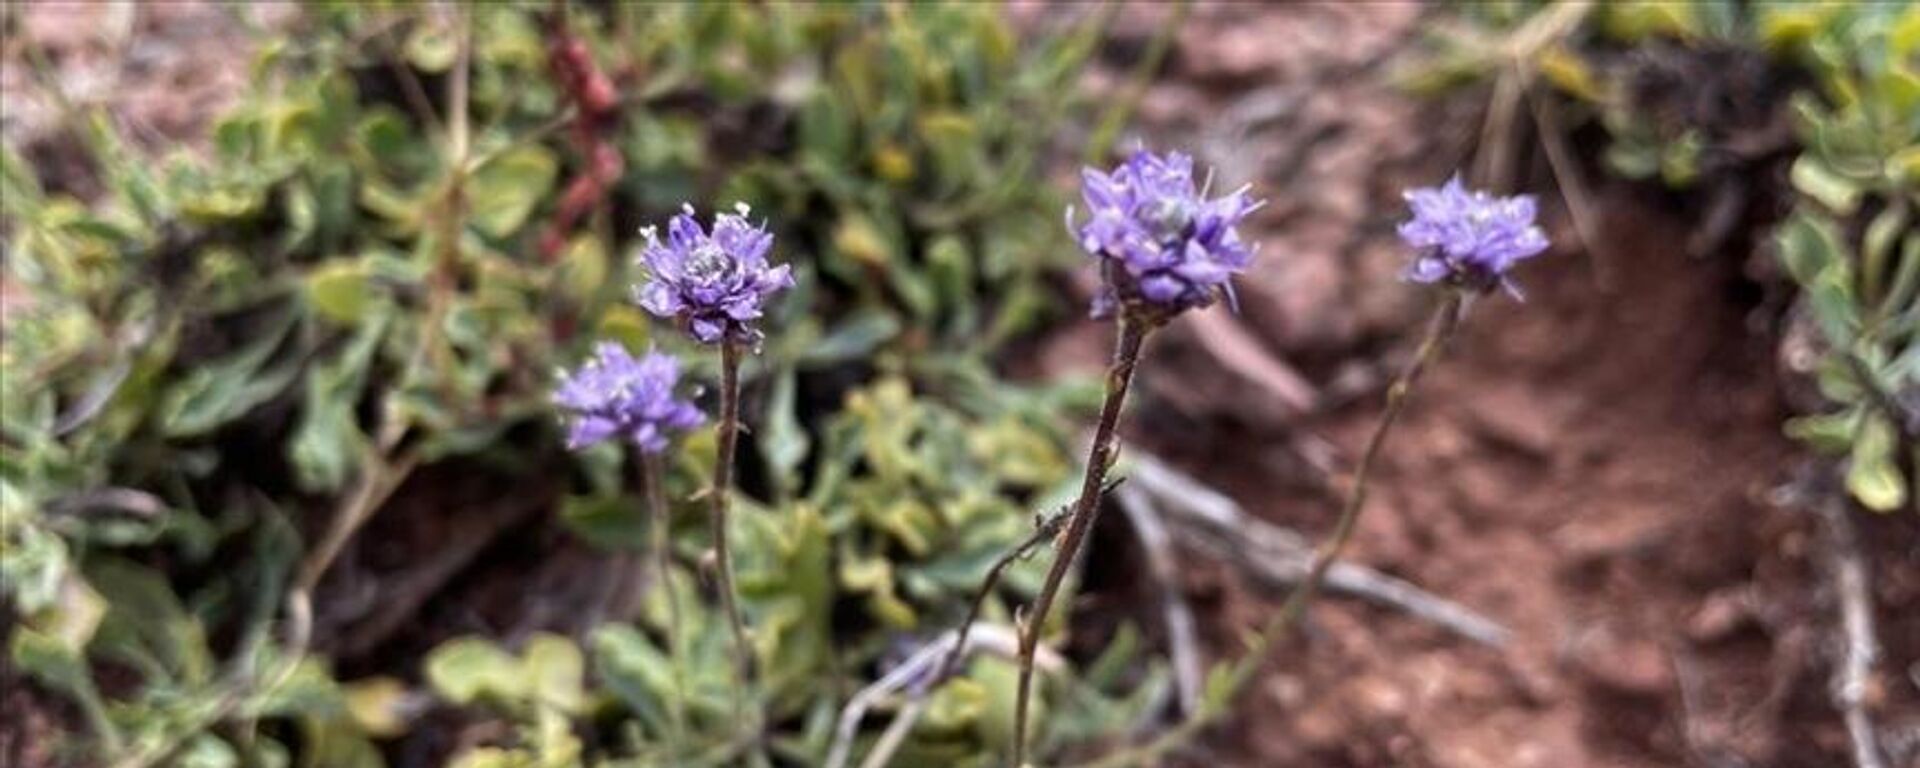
(715,284)
(1163,248)
(1469,238)
(613,394)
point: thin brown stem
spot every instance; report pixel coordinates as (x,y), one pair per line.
(1086,509)
(722,481)
(951,662)
(1446,320)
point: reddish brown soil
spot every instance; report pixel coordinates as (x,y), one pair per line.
(1589,470)
(1596,470)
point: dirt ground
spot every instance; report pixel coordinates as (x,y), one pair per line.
(1599,470)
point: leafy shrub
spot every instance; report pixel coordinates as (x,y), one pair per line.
(374,263)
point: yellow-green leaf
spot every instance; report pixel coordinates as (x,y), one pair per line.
(506,189)
(464,669)
(338,290)
(1569,73)
(377,705)
(555,671)
(1872,475)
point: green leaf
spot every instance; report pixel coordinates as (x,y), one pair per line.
(1635,21)
(874,576)
(1873,477)
(465,669)
(853,338)
(555,672)
(217,393)
(1830,433)
(506,190)
(1816,180)
(636,672)
(1000,679)
(494,757)
(146,626)
(377,705)
(1120,654)
(958,704)
(609,522)
(339,289)
(207,751)
(49,660)
(328,445)
(1807,244)
(784,442)
(35,568)
(432,47)
(1835,309)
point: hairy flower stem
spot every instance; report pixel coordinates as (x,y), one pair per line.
(1446,319)
(722,483)
(653,481)
(1086,509)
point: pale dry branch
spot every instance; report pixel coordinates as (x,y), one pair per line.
(1277,558)
(1182,646)
(1860,650)
(916,678)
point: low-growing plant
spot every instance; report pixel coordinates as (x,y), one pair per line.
(1851,243)
(223,364)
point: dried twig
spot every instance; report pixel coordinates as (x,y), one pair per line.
(1573,189)
(916,677)
(895,735)
(1860,650)
(1278,558)
(1181,644)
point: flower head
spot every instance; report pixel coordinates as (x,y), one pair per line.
(1469,238)
(614,394)
(714,283)
(1163,247)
